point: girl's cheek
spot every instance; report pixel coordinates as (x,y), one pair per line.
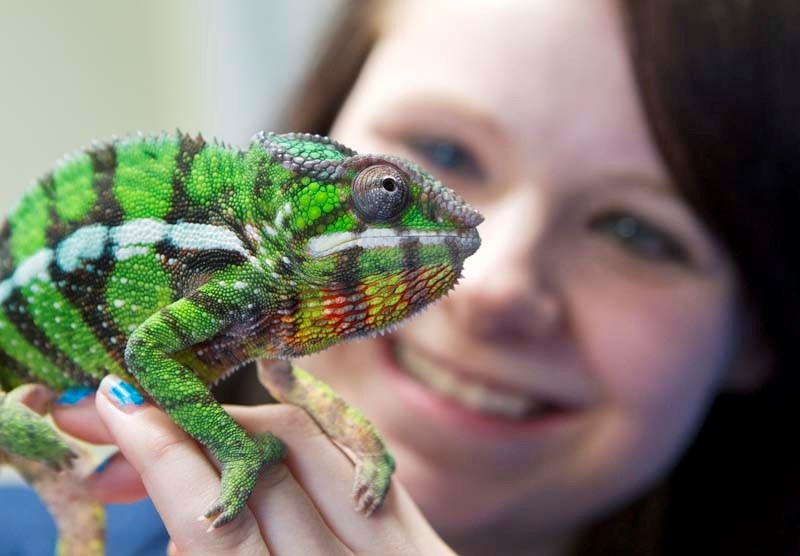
(659,364)
(654,349)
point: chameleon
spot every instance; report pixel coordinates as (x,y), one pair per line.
(171,262)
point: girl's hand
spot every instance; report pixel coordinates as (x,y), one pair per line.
(302,506)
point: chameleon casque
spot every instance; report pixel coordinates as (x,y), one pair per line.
(170,262)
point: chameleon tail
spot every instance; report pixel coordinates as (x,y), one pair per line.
(79,519)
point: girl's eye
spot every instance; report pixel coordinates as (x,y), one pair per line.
(447,155)
(640,238)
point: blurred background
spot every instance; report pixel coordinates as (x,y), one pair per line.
(75,71)
(88,69)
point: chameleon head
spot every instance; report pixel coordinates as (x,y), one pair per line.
(377,238)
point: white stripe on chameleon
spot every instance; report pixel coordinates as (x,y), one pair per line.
(6,287)
(33,267)
(86,243)
(327,244)
(129,239)
(142,231)
(125,253)
(190,235)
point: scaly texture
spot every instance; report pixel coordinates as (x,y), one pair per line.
(170,262)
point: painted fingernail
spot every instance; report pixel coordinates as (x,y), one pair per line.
(103,465)
(73,396)
(124,396)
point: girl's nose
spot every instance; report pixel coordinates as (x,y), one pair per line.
(508,294)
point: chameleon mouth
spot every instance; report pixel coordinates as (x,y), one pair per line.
(464,242)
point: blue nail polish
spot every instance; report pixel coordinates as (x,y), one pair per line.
(104,464)
(72,396)
(124,394)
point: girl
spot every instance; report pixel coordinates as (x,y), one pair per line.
(611,376)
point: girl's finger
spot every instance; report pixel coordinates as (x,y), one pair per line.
(289,520)
(179,478)
(115,481)
(74,412)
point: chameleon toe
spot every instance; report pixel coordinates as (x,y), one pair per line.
(373,479)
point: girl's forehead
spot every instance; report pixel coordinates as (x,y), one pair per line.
(481,44)
(554,76)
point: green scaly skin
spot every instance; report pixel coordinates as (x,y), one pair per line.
(170,262)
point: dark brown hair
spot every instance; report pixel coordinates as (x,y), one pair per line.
(339,61)
(719,81)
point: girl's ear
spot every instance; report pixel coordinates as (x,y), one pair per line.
(754,361)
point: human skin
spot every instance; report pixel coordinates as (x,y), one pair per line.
(542,97)
(635,333)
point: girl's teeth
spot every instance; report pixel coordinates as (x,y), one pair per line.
(464,391)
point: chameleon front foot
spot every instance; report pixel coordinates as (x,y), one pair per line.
(373,478)
(341,422)
(239,479)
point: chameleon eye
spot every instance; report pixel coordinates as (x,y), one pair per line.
(380,193)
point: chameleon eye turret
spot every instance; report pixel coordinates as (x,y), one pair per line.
(171,262)
(380,193)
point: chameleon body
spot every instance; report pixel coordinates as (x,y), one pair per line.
(170,262)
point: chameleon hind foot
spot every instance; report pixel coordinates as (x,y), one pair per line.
(239,479)
(341,422)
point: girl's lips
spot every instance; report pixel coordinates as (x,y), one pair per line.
(473,408)
(465,390)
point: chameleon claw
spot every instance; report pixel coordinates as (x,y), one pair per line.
(212,514)
(64,462)
(371,486)
(221,520)
(220,514)
(368,505)
(216,509)
(369,495)
(367,502)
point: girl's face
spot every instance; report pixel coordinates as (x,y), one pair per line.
(577,357)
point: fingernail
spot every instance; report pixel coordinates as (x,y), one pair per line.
(122,394)
(72,396)
(103,465)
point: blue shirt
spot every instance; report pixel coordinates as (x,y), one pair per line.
(28,529)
